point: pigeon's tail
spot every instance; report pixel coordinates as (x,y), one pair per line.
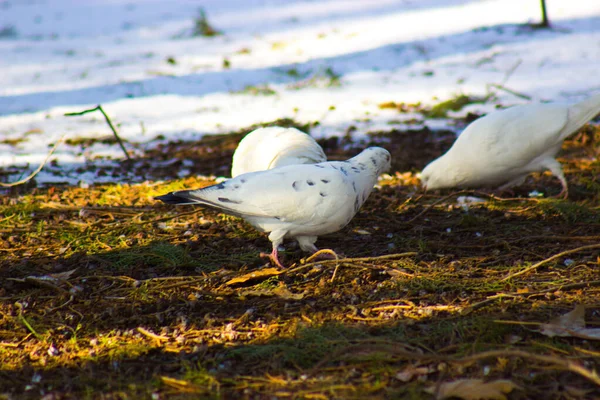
(205,197)
(175,198)
(581,113)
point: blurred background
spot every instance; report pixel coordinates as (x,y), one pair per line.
(172,71)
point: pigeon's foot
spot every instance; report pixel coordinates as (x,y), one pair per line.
(564,194)
(273,257)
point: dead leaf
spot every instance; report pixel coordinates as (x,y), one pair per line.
(181,385)
(258,275)
(473,389)
(280,291)
(571,324)
(284,293)
(502,363)
(396,273)
(411,372)
(253,292)
(51,281)
(54,278)
(63,276)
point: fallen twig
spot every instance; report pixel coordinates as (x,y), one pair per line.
(62,305)
(567,364)
(505,79)
(526,295)
(39,281)
(500,86)
(554,257)
(399,350)
(491,299)
(571,286)
(554,238)
(350,260)
(513,92)
(466,192)
(108,121)
(383,257)
(183,283)
(151,335)
(323,251)
(24,321)
(34,173)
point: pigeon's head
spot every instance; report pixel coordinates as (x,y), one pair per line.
(377,159)
(438,175)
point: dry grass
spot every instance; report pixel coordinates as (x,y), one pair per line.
(106,294)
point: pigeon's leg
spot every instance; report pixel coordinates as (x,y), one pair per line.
(564,193)
(556,169)
(273,257)
(276,237)
(307,243)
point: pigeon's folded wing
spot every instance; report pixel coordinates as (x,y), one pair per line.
(294,193)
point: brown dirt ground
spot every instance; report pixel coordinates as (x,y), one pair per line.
(106,294)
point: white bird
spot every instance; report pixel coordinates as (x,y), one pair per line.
(503,147)
(295,201)
(266,148)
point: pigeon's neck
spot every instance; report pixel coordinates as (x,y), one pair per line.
(367,164)
(450,170)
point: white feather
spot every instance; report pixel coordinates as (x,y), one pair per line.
(503,147)
(272,147)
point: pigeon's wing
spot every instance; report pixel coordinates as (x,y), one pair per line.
(296,193)
(520,133)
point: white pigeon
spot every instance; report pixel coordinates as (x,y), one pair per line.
(266,148)
(503,147)
(295,201)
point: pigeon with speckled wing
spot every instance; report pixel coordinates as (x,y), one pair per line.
(272,147)
(295,201)
(503,147)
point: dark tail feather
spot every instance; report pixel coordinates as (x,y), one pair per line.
(172,198)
